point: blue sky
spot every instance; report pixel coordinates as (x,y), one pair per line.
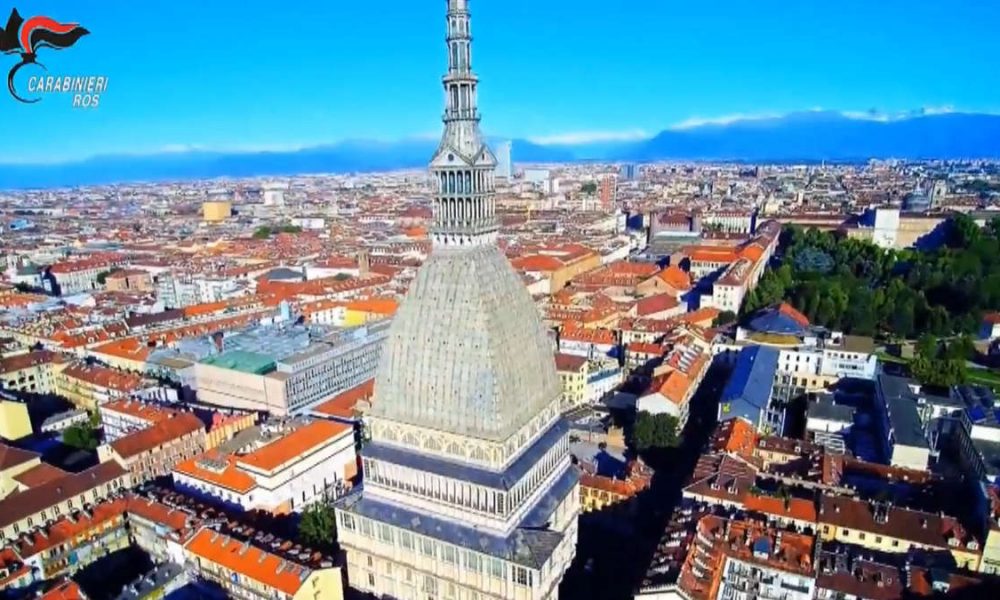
(254,74)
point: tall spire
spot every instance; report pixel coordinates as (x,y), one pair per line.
(463,166)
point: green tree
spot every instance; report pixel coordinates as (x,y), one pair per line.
(962,231)
(103,276)
(960,348)
(654,431)
(724,318)
(940,373)
(902,321)
(262,233)
(589,187)
(290,229)
(317,526)
(81,437)
(927,346)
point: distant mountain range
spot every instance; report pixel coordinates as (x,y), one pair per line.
(807,137)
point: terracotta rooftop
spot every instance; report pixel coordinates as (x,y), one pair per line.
(229,476)
(11,456)
(103,377)
(569,362)
(173,519)
(651,305)
(737,436)
(161,432)
(30,359)
(675,277)
(67,590)
(138,409)
(19,505)
(39,475)
(249,561)
(294,445)
(344,405)
(68,529)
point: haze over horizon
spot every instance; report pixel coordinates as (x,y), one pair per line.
(553,72)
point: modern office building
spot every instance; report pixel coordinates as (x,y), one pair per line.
(469,489)
(629,172)
(286,369)
(505,166)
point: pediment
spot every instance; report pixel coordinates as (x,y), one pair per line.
(448,156)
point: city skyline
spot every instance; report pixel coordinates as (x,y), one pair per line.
(179,81)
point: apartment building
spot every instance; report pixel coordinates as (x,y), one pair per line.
(556,265)
(74,540)
(76,276)
(13,463)
(248,572)
(677,378)
(728,558)
(123,417)
(740,221)
(599,491)
(88,386)
(154,451)
(572,372)
(161,530)
(33,372)
(283,470)
(587,342)
(22,511)
(129,280)
(884,527)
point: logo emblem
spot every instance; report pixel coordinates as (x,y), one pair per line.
(28,37)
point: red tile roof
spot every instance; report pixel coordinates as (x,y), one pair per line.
(39,475)
(229,477)
(67,590)
(24,361)
(652,305)
(68,529)
(789,311)
(19,505)
(12,457)
(294,445)
(344,405)
(103,377)
(158,434)
(249,561)
(675,277)
(569,362)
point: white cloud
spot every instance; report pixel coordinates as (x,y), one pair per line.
(693,122)
(869,115)
(586,137)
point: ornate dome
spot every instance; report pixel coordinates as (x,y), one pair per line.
(467,353)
